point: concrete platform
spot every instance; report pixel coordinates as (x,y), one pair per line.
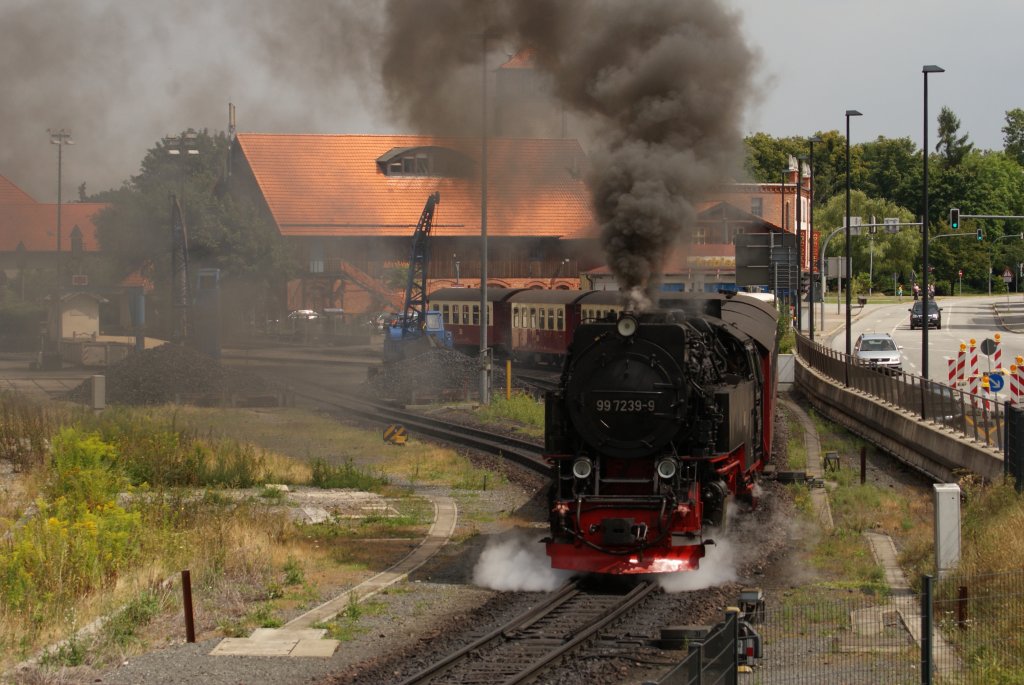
(299,639)
(278,642)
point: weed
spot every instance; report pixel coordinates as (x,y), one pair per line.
(263,616)
(326,476)
(71,652)
(122,627)
(271,493)
(293,574)
(520,408)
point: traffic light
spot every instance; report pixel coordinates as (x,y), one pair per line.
(954,219)
(980,236)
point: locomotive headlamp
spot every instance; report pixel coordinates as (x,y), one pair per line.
(667,468)
(581,468)
(626,326)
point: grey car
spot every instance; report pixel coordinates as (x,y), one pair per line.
(878,350)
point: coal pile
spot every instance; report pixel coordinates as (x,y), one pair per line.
(172,373)
(434,375)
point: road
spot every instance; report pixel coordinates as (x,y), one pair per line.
(963,318)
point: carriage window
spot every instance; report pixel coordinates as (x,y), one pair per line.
(446,313)
(551,320)
(515,317)
(533,317)
(561,319)
(490,314)
(465,315)
(476,315)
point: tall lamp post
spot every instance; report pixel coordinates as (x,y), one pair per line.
(799,242)
(485,371)
(59,137)
(926,69)
(181,147)
(785,220)
(810,227)
(849,261)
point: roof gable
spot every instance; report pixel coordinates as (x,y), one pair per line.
(333,185)
(35,225)
(11,194)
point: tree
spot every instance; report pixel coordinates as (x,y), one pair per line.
(1013,135)
(767,156)
(226,230)
(882,254)
(953,148)
(893,171)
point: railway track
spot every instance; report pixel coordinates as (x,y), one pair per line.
(528,644)
(522,452)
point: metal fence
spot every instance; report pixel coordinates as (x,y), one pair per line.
(710,661)
(962,630)
(976,417)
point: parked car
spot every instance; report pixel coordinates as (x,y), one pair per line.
(303,315)
(878,350)
(934,315)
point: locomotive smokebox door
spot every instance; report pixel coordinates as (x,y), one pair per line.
(626,395)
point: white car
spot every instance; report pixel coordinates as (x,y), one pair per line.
(879,350)
(303,315)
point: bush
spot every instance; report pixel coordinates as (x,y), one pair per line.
(80,538)
(347,475)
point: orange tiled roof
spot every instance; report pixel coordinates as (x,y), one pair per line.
(331,185)
(35,225)
(521,60)
(11,194)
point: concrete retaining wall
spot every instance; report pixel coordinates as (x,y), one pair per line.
(927,447)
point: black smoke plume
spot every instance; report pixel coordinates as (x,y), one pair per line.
(661,85)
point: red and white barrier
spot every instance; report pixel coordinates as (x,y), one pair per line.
(1013,380)
(961,364)
(973,374)
(997,354)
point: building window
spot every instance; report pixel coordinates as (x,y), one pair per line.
(757,206)
(316,258)
(700,236)
(424,161)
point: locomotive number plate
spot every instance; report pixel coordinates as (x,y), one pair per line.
(634,402)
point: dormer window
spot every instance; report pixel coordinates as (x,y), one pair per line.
(424,161)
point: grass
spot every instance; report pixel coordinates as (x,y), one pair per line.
(520,409)
(92,551)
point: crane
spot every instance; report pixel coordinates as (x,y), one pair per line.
(417,328)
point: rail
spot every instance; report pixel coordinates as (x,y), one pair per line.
(975,417)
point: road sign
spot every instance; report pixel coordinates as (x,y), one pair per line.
(1007,276)
(995,382)
(396,434)
(988,346)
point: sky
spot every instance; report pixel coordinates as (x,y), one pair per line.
(121,75)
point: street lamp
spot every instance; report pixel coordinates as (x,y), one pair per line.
(849,261)
(59,137)
(811,141)
(485,371)
(182,147)
(785,220)
(926,69)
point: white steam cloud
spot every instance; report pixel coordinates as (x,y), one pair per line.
(516,562)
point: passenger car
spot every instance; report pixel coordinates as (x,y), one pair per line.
(934,315)
(879,350)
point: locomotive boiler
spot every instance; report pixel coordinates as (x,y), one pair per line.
(659,419)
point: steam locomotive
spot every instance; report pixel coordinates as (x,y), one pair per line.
(659,419)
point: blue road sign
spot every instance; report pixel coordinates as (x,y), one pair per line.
(995,382)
